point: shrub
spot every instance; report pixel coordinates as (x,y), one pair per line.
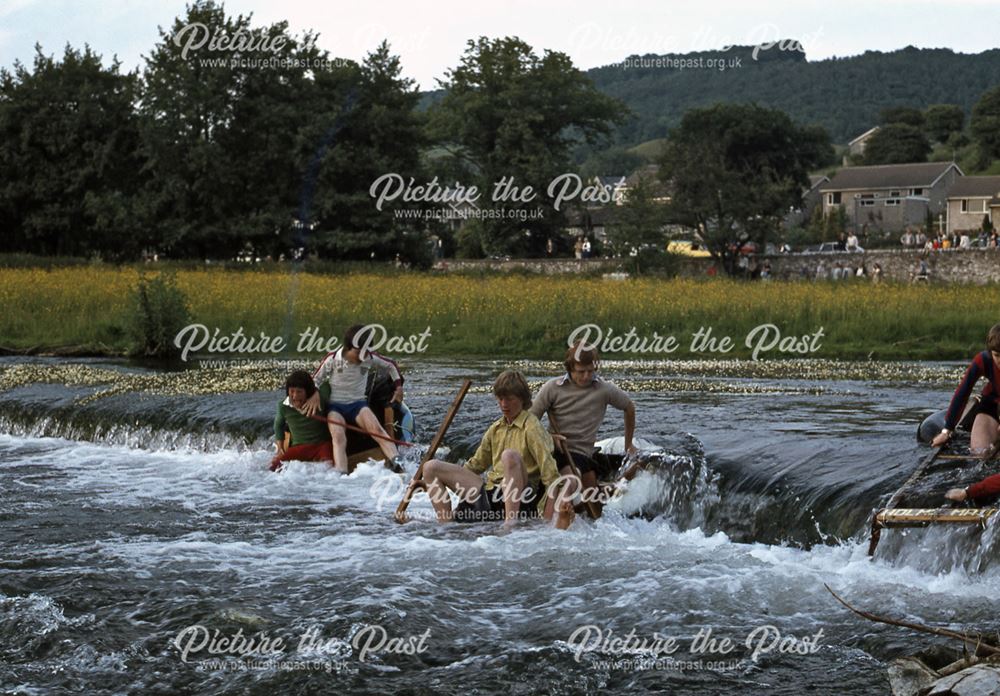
(157,312)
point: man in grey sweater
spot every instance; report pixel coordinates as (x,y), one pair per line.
(579,400)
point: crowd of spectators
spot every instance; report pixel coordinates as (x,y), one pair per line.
(963,239)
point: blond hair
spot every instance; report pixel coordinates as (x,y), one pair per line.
(513,383)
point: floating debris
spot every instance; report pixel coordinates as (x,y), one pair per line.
(267,375)
(632,375)
(800,368)
(698,385)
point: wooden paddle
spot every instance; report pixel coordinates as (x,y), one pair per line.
(630,473)
(592,508)
(417,480)
(369,433)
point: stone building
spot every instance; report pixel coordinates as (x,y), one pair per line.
(971,199)
(889,197)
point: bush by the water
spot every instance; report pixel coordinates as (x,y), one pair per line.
(157,312)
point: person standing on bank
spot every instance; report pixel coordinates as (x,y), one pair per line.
(579,400)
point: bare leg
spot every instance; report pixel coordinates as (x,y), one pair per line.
(984,433)
(513,484)
(441,477)
(367,420)
(339,437)
(562,500)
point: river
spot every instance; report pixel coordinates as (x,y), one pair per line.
(141,530)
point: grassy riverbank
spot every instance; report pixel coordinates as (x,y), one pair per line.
(506,316)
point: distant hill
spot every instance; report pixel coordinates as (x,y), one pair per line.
(844,95)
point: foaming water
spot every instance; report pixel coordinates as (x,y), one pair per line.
(114,542)
(215,539)
(132,435)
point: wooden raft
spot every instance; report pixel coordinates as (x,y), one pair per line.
(951,466)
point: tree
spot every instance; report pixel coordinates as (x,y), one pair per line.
(985,123)
(836,224)
(897,143)
(614,161)
(735,171)
(909,115)
(941,120)
(69,156)
(366,126)
(638,223)
(220,130)
(509,113)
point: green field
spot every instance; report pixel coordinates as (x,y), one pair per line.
(86,308)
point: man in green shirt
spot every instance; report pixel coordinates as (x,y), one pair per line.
(310,439)
(516,455)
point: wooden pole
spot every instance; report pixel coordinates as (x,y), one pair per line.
(417,481)
(374,436)
(593,509)
(974,639)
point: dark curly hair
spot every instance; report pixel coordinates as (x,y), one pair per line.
(302,380)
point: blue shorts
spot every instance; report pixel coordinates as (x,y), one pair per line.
(349,410)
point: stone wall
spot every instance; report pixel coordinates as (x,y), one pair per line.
(978,266)
(546,266)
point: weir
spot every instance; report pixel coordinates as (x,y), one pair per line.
(751,490)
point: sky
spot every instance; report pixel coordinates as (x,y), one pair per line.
(430,36)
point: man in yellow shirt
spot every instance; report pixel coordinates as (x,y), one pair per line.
(515,453)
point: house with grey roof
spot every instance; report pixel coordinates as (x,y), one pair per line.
(971,199)
(888,197)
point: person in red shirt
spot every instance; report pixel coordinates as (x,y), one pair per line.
(989,487)
(985,428)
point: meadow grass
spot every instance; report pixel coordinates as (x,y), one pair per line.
(505,316)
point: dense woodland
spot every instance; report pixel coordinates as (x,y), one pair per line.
(219,154)
(844,95)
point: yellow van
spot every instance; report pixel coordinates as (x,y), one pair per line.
(686,247)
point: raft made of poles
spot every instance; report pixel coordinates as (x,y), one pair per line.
(893,515)
(920,517)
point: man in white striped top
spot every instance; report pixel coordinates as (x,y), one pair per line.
(347,370)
